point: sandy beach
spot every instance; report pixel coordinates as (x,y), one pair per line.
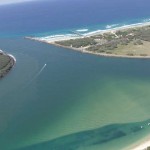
(5,64)
(54,38)
(141,145)
(13,57)
(124,27)
(94,53)
(10,55)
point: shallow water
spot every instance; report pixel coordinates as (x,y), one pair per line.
(74,96)
(102,138)
(75,92)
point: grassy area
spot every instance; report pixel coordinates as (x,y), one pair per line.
(77,43)
(131,49)
(6,63)
(129,42)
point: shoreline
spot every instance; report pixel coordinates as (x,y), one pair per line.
(140,145)
(143,143)
(90,52)
(98,54)
(8,66)
(10,55)
(53,39)
(124,27)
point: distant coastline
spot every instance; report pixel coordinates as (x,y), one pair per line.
(7,61)
(56,40)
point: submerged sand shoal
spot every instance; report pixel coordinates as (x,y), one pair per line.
(53,39)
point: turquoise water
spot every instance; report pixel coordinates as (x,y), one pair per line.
(95,139)
(40,18)
(92,28)
(73,94)
(59,99)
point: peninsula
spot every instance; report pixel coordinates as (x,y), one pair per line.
(7,61)
(132,41)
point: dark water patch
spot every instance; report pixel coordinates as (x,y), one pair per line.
(136,129)
(32,115)
(89,138)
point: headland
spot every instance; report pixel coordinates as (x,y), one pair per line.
(7,61)
(130,41)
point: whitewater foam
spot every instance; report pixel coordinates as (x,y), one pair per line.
(108,28)
(12,57)
(111,26)
(82,30)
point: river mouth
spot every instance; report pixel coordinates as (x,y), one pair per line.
(72,93)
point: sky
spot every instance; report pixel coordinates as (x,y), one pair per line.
(2,2)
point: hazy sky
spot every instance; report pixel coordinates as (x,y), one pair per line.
(12,1)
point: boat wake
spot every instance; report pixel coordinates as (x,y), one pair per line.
(41,70)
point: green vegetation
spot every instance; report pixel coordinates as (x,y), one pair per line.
(6,63)
(115,39)
(137,40)
(148,148)
(77,43)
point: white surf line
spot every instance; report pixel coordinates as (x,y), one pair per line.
(82,30)
(12,57)
(36,75)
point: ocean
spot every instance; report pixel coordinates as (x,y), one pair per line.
(60,99)
(57,17)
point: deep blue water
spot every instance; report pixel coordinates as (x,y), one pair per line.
(73,101)
(55,16)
